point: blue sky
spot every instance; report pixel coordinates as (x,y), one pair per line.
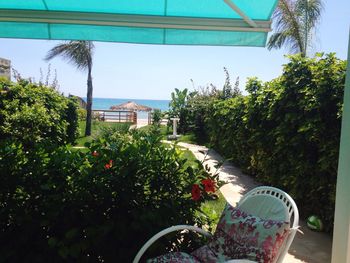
(154,71)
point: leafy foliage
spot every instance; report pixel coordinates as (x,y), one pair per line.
(97,206)
(31,114)
(72,119)
(81,114)
(193,116)
(178,101)
(199,104)
(227,91)
(286,131)
(157,116)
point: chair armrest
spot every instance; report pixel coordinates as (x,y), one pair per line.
(163,233)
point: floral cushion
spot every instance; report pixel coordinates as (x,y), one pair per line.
(175,257)
(242,236)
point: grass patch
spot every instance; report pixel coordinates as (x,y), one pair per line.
(193,139)
(213,209)
(188,138)
(187,154)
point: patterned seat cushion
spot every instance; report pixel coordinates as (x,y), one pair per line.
(175,257)
(242,236)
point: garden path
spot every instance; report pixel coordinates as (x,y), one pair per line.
(311,247)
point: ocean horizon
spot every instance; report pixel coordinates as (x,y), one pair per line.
(106,103)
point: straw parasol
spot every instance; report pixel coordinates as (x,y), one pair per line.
(131,105)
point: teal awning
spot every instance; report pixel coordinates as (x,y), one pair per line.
(179,22)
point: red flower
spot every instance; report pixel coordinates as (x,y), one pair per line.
(95,154)
(109,165)
(196,192)
(209,185)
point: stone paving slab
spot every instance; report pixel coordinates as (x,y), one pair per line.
(310,247)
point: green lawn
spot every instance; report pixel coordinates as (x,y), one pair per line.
(188,138)
(213,209)
(189,156)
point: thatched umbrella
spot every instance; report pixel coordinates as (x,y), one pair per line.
(131,105)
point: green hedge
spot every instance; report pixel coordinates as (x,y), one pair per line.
(286,131)
(33,114)
(100,205)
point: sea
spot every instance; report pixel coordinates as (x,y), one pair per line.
(106,103)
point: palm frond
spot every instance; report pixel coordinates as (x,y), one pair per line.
(293,22)
(309,12)
(287,28)
(78,53)
(310,9)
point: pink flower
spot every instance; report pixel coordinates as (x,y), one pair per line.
(95,153)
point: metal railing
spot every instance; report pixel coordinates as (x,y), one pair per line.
(115,116)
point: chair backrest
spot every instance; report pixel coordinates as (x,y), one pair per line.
(271,203)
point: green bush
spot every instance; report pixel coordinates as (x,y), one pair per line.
(295,131)
(81,114)
(157,116)
(195,114)
(227,129)
(105,131)
(34,114)
(286,131)
(99,206)
(178,102)
(72,118)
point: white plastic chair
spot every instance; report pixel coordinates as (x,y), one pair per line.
(264,202)
(273,203)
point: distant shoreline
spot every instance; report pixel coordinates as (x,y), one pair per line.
(106,103)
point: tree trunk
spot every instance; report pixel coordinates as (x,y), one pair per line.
(89,104)
(306,26)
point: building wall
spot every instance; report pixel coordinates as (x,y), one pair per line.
(5,68)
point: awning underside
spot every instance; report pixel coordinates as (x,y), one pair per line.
(180,22)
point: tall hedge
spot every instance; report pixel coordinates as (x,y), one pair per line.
(32,114)
(286,131)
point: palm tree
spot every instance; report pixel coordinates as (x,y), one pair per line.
(295,21)
(78,53)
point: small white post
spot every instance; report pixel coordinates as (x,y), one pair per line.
(174,136)
(175,120)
